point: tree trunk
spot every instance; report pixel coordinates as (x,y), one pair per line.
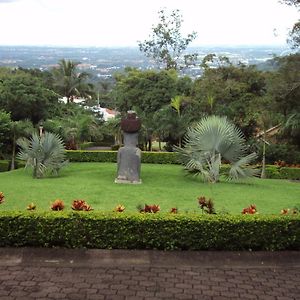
(12,165)
(263,169)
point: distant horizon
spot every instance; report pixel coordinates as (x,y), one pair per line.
(132,46)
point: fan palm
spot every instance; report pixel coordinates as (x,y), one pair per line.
(211,140)
(45,154)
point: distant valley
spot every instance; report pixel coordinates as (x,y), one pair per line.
(104,62)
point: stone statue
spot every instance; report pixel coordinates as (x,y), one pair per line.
(129,156)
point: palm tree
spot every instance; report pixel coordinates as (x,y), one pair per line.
(69,82)
(211,140)
(45,154)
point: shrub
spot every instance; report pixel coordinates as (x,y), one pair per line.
(80,205)
(4,165)
(274,152)
(150,231)
(57,205)
(276,172)
(111,156)
(1,197)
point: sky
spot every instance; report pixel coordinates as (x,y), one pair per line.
(110,23)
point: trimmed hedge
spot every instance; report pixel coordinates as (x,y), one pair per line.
(111,156)
(149,231)
(273,172)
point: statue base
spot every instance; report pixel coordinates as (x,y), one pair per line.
(118,180)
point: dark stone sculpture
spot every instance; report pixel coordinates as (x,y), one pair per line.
(129,156)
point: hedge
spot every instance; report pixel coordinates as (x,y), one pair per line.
(274,172)
(111,156)
(5,165)
(149,231)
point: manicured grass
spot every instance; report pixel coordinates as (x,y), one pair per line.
(165,185)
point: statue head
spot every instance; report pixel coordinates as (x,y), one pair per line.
(131,123)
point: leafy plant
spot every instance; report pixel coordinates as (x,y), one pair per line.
(174,210)
(250,210)
(119,208)
(149,208)
(58,205)
(31,206)
(1,197)
(211,140)
(45,153)
(206,205)
(80,205)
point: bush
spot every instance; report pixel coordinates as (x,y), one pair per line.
(149,231)
(275,152)
(111,156)
(276,172)
(4,165)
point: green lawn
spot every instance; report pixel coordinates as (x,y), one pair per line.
(165,185)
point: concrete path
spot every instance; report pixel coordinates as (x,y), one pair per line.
(32,273)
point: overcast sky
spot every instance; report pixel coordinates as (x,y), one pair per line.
(124,22)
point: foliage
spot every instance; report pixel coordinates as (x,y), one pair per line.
(166,45)
(111,156)
(212,139)
(57,205)
(75,125)
(45,154)
(69,82)
(206,205)
(149,231)
(25,96)
(250,210)
(119,208)
(81,205)
(276,172)
(148,208)
(145,90)
(294,34)
(5,128)
(31,206)
(231,91)
(285,152)
(1,197)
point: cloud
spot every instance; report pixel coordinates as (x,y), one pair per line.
(8,1)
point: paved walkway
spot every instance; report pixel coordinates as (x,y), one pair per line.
(31,273)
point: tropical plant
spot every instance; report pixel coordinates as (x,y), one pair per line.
(211,140)
(69,82)
(45,153)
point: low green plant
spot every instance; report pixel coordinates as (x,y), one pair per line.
(45,153)
(149,231)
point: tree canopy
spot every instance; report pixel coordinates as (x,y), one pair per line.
(166,45)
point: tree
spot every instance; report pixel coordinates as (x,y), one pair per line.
(211,140)
(18,129)
(25,96)
(294,34)
(45,154)
(5,126)
(230,91)
(69,82)
(166,45)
